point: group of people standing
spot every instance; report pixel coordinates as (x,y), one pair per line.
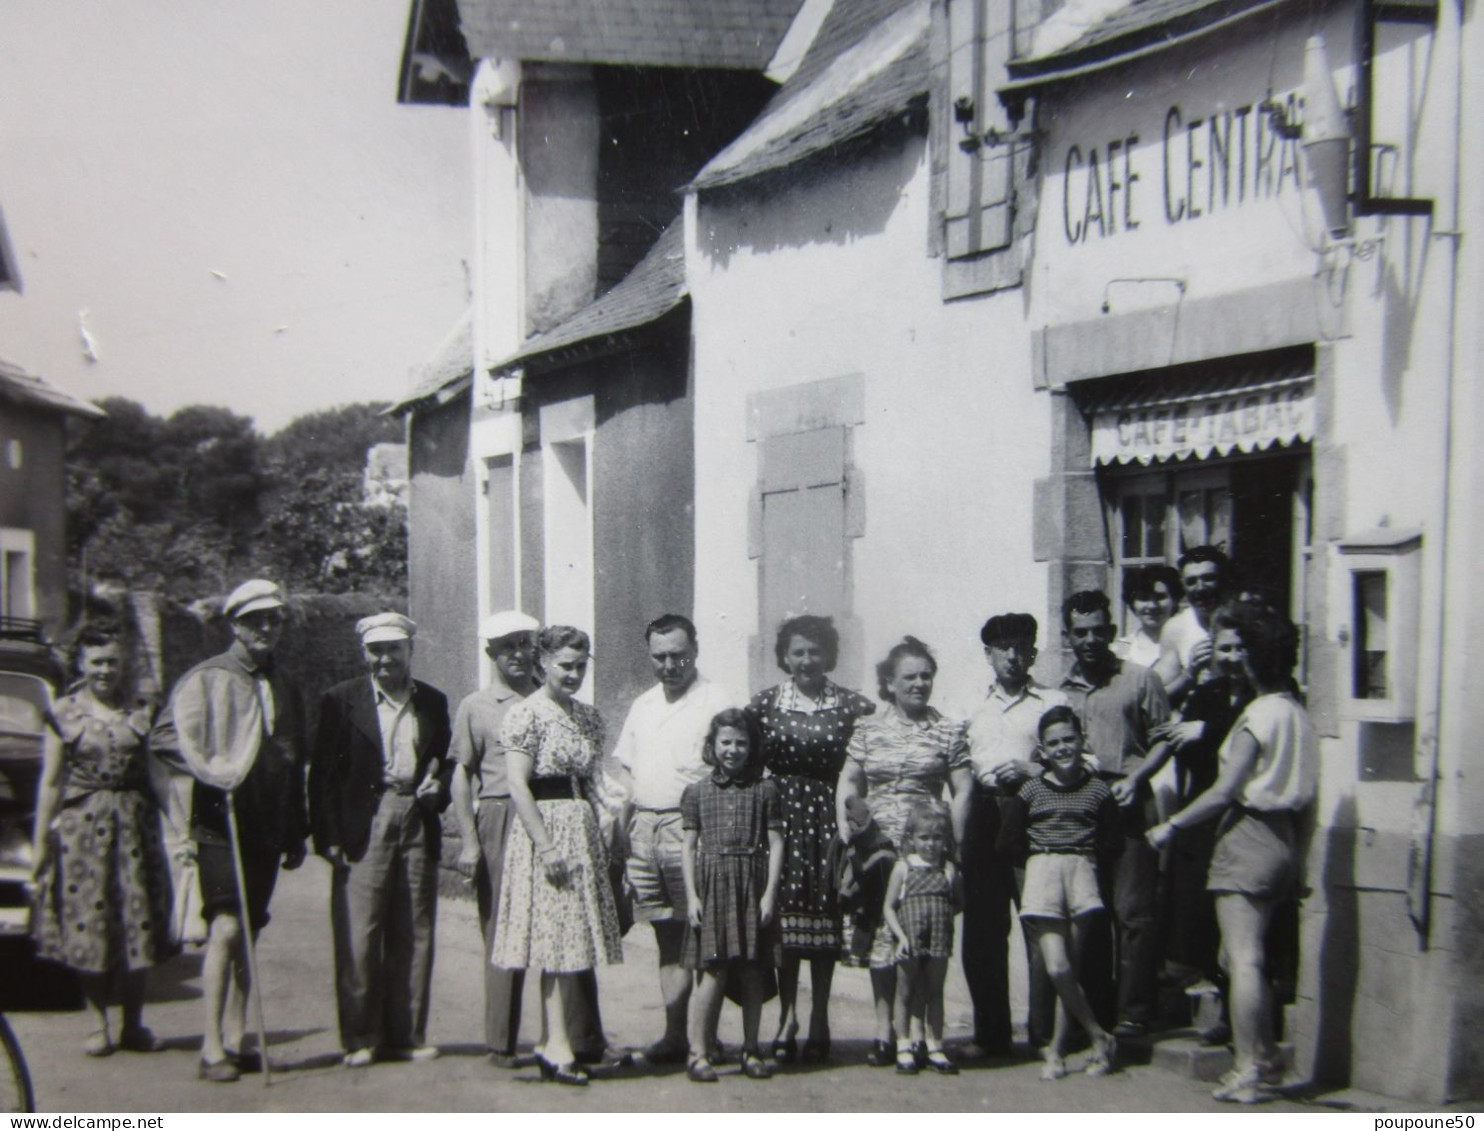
(807,823)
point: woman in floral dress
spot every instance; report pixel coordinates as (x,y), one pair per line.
(103,883)
(902,756)
(556,906)
(805,725)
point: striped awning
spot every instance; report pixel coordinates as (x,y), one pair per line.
(1199,412)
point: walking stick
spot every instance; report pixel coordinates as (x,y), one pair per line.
(252,958)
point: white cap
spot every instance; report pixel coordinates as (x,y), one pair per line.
(497,626)
(251,597)
(385,626)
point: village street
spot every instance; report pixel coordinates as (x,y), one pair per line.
(297,970)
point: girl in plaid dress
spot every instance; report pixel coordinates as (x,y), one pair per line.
(923,895)
(732,861)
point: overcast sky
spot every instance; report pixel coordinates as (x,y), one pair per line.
(230,191)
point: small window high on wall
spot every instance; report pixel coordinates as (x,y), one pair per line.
(980,167)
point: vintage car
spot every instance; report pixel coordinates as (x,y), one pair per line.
(30,676)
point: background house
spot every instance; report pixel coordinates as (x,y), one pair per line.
(33,497)
(568,423)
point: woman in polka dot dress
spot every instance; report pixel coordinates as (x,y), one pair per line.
(806,724)
(103,884)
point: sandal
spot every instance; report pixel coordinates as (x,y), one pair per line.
(699,1071)
(217,1071)
(573,1075)
(881,1054)
(938,1061)
(1104,1053)
(817,1050)
(98,1043)
(786,1051)
(1055,1067)
(907,1063)
(755,1067)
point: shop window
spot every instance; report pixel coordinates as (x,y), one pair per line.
(1255,509)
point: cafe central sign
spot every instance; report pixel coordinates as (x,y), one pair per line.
(1202,165)
(1200,426)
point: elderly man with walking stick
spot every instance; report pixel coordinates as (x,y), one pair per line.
(237,726)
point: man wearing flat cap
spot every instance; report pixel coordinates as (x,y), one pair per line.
(1002,738)
(236,725)
(480,778)
(376,787)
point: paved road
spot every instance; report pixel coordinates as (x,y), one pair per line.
(296,961)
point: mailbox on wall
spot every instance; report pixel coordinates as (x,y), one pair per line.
(1376,616)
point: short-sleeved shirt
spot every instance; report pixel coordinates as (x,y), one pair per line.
(1137,648)
(905,762)
(1181,633)
(1074,820)
(730,815)
(1118,714)
(660,745)
(476,742)
(557,743)
(1286,773)
(1003,728)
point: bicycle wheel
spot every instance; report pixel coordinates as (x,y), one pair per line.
(15,1078)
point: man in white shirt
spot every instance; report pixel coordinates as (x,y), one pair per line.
(660,748)
(1185,640)
(1002,738)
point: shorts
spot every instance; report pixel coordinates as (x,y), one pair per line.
(1059,886)
(219,883)
(1256,854)
(656,845)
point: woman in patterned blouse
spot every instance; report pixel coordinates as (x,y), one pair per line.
(897,758)
(805,724)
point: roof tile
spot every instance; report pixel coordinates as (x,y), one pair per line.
(738,34)
(20,387)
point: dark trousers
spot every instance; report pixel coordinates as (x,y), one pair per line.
(991,885)
(1129,887)
(382,911)
(503,987)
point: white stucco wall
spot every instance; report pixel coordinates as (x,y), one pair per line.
(830,277)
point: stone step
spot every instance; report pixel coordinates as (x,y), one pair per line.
(1188,1057)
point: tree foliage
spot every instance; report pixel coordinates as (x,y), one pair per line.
(192,502)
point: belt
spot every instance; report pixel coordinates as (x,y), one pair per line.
(399,789)
(646,809)
(745,851)
(557,788)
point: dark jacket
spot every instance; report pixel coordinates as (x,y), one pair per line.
(346,766)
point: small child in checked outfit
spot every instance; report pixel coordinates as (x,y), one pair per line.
(923,895)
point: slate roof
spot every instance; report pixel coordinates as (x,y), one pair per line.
(450,363)
(19,387)
(726,34)
(652,289)
(869,63)
(1138,28)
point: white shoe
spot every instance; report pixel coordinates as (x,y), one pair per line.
(359,1058)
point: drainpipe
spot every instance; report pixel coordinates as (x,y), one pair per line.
(1435,570)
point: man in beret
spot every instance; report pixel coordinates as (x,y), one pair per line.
(509,642)
(236,725)
(1002,747)
(376,787)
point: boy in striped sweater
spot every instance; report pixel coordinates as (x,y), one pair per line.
(1065,822)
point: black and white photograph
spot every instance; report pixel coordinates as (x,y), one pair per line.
(741,556)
